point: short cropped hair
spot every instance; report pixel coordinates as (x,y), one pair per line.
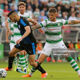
(11,13)
(21,3)
(52,10)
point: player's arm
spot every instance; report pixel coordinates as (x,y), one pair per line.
(27,32)
(74,21)
(7,27)
(7,36)
(36,25)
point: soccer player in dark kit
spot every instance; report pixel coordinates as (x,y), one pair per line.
(26,42)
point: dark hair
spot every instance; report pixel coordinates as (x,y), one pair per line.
(11,13)
(52,10)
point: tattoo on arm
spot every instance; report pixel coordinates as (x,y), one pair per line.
(73,22)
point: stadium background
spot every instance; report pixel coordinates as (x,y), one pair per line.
(38,9)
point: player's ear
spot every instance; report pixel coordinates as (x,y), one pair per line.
(56,14)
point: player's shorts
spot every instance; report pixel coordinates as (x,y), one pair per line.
(12,43)
(29,48)
(48,48)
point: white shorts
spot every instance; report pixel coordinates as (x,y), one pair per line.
(48,48)
(11,43)
(11,46)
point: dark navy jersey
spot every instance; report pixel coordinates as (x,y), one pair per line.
(21,25)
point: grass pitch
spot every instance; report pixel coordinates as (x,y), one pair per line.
(56,71)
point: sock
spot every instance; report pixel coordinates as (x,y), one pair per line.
(74,64)
(19,64)
(33,69)
(10,62)
(39,68)
(27,56)
(22,61)
(15,60)
(36,57)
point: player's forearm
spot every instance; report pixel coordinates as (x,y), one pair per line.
(37,26)
(7,26)
(74,21)
(7,35)
(32,21)
(26,33)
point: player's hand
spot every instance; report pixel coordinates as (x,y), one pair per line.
(23,52)
(18,41)
(10,32)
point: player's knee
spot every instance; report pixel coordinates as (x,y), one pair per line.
(32,63)
(11,54)
(67,55)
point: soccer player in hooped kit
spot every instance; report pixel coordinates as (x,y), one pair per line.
(54,40)
(27,42)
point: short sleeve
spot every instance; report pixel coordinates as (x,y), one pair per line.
(43,23)
(24,22)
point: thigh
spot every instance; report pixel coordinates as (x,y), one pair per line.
(13,51)
(47,49)
(30,48)
(42,57)
(32,60)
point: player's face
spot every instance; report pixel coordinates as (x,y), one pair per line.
(12,18)
(52,16)
(22,8)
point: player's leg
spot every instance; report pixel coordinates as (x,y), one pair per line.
(22,60)
(70,59)
(31,51)
(11,58)
(12,43)
(73,64)
(41,59)
(37,66)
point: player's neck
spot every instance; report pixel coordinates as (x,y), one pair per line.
(18,18)
(53,20)
(22,13)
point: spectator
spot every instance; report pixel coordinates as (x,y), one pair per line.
(29,11)
(72,17)
(42,16)
(70,45)
(77,47)
(13,8)
(45,9)
(78,16)
(35,4)
(28,3)
(15,3)
(64,15)
(59,11)
(36,13)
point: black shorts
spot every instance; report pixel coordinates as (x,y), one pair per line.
(29,48)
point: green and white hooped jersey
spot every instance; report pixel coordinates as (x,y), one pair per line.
(53,30)
(24,15)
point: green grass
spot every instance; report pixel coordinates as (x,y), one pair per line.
(56,71)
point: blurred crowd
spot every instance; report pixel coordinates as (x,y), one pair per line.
(38,9)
